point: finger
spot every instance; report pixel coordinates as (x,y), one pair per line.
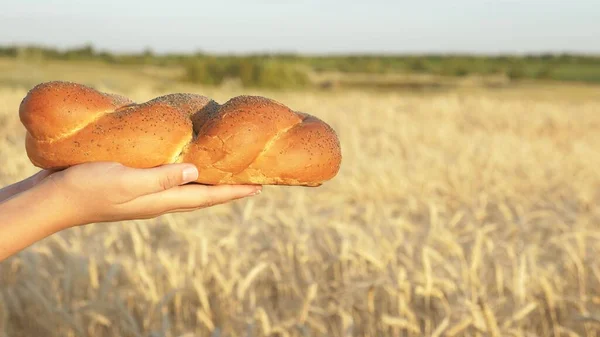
(172,211)
(152,180)
(189,197)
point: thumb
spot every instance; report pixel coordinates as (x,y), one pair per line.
(161,178)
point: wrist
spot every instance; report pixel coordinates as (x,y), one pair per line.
(50,205)
(60,204)
(31,216)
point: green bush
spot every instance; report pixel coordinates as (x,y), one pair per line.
(545,72)
(278,75)
(251,73)
(454,69)
(418,65)
(516,71)
(206,71)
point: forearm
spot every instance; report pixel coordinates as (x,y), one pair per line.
(29,217)
(11,190)
(16,188)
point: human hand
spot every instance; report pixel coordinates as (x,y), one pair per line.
(49,202)
(104,191)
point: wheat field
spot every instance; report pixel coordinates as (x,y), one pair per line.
(460,213)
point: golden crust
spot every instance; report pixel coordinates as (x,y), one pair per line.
(247,140)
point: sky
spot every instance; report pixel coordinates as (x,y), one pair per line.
(308,27)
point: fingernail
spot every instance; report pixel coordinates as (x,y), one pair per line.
(190,174)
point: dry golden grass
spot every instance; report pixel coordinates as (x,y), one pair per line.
(457,214)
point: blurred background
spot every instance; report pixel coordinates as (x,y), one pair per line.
(466,205)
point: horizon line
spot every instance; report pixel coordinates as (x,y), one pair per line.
(300,53)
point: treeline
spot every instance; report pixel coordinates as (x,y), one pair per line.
(291,70)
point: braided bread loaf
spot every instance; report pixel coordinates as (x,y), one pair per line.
(247,140)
